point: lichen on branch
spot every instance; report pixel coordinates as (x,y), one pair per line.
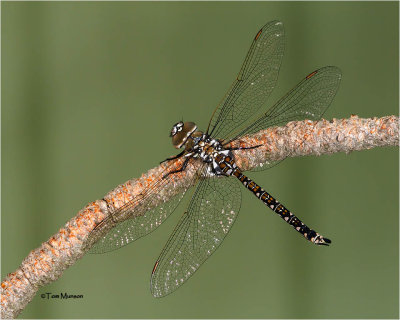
(47,263)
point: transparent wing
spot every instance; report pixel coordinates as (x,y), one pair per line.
(254,84)
(210,215)
(133,228)
(308,100)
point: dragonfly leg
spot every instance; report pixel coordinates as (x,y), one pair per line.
(184,165)
(245,148)
(174,157)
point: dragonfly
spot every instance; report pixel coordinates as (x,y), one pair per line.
(216,197)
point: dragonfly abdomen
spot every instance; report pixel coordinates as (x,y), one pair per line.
(278,208)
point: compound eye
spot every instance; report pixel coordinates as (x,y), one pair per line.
(176,128)
(173,132)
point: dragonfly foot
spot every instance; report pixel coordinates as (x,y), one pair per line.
(165,175)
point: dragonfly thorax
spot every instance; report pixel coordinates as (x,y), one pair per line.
(205,147)
(212,152)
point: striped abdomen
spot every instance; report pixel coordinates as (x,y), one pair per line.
(278,208)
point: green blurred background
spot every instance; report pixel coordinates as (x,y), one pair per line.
(89,94)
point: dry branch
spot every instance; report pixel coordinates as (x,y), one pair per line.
(47,263)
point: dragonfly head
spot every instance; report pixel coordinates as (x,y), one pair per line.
(181,132)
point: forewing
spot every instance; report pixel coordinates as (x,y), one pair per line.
(135,227)
(210,215)
(308,100)
(254,83)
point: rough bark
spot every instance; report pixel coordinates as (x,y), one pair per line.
(47,263)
